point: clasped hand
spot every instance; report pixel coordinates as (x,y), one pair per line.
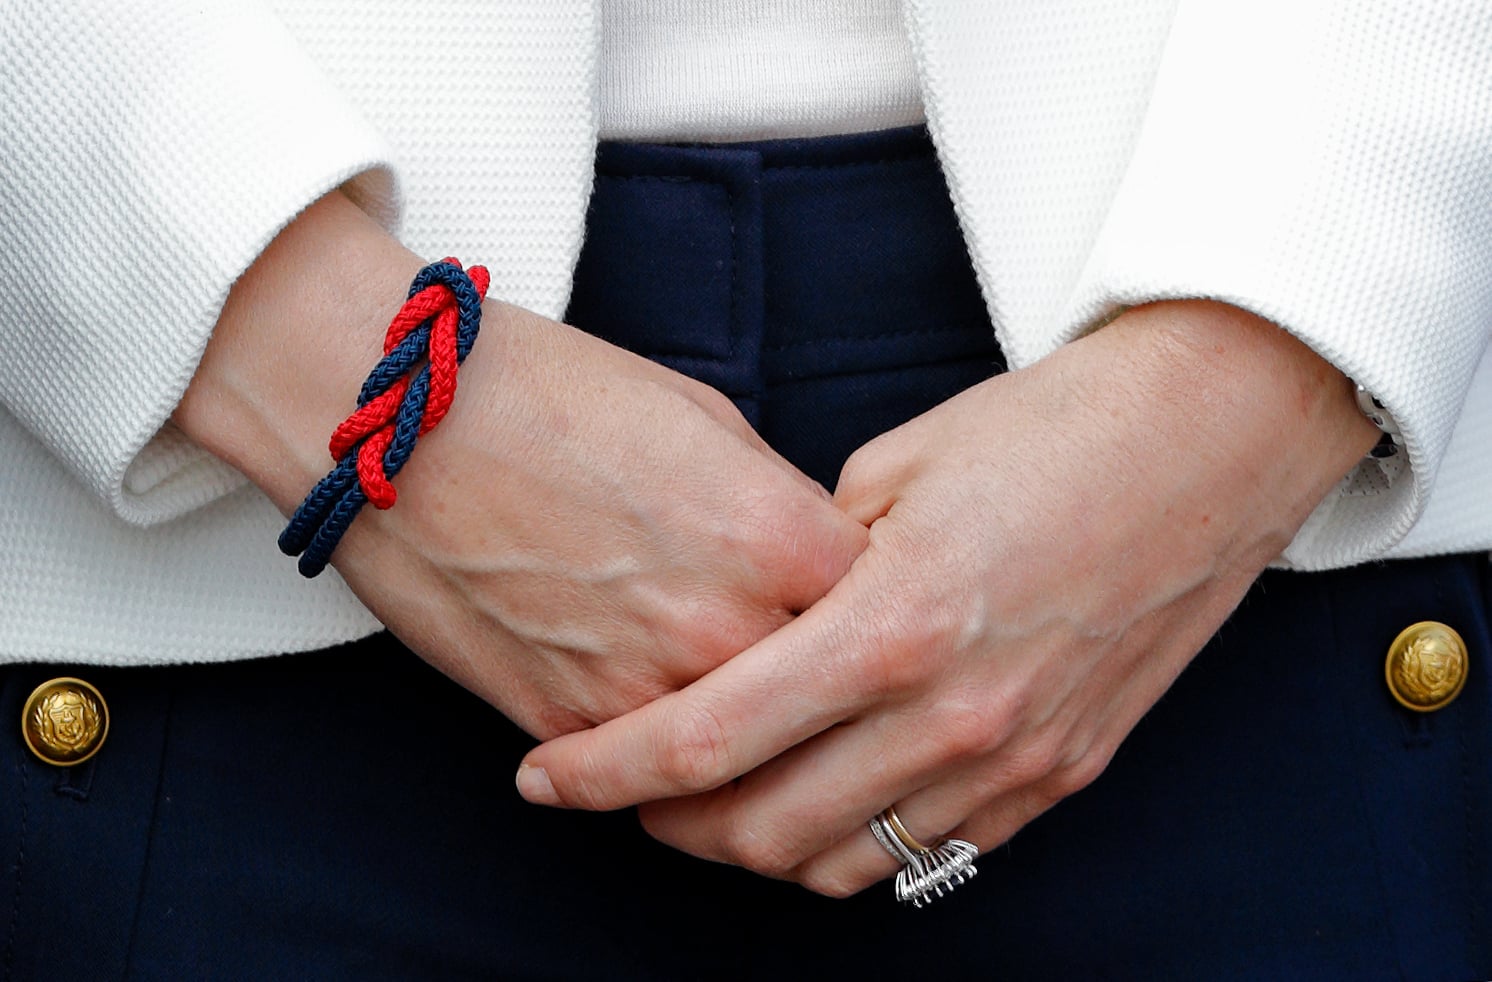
(1046,552)
(996,593)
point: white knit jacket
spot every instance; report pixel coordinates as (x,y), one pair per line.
(1325,163)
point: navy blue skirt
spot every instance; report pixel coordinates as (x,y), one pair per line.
(350,814)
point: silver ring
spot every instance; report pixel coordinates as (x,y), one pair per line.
(927,872)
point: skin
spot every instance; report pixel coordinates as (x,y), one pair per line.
(1006,584)
(584,532)
(1047,552)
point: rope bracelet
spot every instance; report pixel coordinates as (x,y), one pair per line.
(406,395)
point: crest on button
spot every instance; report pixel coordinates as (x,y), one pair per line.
(65,721)
(1426,666)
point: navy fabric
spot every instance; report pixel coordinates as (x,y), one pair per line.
(822,284)
(350,814)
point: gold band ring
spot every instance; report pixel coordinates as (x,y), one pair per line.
(927,871)
(907,839)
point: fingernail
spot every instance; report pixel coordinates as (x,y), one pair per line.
(533,784)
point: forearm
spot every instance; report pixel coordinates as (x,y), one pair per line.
(1276,424)
(300,330)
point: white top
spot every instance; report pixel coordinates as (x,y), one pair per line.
(1321,162)
(730,70)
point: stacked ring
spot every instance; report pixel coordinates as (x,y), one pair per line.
(927,871)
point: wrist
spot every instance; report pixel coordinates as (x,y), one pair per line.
(1251,406)
(1243,375)
(297,334)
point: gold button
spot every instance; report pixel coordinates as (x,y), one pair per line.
(1426,666)
(65,721)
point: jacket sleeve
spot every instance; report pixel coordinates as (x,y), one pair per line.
(149,150)
(1328,165)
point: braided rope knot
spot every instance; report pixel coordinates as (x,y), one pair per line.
(406,395)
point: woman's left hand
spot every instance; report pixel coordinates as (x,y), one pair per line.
(1048,550)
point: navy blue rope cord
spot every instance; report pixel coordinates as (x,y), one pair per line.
(326,513)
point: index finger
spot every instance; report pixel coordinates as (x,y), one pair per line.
(772,696)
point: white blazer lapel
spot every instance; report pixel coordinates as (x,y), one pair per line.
(1035,106)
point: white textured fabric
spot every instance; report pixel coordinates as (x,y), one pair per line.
(146,164)
(149,149)
(733,70)
(1325,163)
(78,584)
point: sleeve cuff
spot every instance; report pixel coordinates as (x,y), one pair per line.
(1323,166)
(145,185)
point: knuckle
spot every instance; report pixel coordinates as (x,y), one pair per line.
(922,630)
(889,671)
(1025,767)
(970,726)
(747,845)
(625,684)
(1063,783)
(876,463)
(1054,751)
(1037,764)
(899,661)
(1083,771)
(829,882)
(771,525)
(654,825)
(668,828)
(711,634)
(693,753)
(550,721)
(717,404)
(860,470)
(685,397)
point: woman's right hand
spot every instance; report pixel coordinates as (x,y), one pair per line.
(583,533)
